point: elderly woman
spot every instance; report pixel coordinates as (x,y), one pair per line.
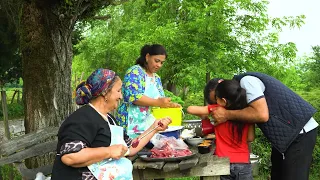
(142,89)
(91,134)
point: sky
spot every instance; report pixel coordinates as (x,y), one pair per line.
(309,34)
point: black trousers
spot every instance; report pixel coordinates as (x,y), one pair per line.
(295,163)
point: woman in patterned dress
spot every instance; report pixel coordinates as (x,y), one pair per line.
(142,89)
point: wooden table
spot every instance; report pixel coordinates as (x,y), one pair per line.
(206,166)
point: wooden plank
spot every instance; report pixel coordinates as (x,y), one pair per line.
(210,178)
(31,173)
(170,166)
(36,150)
(27,140)
(139,164)
(214,167)
(189,163)
(136,175)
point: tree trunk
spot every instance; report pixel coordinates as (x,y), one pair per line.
(172,88)
(46,59)
(207,80)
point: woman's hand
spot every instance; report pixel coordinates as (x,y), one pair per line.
(117,151)
(174,105)
(165,122)
(164,102)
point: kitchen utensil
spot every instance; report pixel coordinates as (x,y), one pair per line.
(174,131)
(194,141)
(204,149)
(193,124)
(175,114)
(135,143)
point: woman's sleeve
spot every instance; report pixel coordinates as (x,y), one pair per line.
(133,84)
(159,85)
(76,136)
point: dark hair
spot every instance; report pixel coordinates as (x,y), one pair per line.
(154,49)
(210,86)
(236,99)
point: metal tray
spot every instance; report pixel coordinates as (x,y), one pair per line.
(169,159)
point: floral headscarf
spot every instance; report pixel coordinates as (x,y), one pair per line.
(96,83)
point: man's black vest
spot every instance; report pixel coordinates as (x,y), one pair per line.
(288,112)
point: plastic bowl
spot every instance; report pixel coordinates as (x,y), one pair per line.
(195,141)
(174,131)
(204,149)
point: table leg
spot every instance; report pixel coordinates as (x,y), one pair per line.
(138,174)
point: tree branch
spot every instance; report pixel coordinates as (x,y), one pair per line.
(106,17)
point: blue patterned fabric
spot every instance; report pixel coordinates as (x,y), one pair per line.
(133,88)
(96,83)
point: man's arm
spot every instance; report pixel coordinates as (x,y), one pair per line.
(256,112)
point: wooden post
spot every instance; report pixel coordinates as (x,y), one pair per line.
(5,114)
(207,80)
(18,99)
(14,94)
(6,125)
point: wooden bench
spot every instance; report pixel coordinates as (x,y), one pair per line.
(26,146)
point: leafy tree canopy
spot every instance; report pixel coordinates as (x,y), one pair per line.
(10,60)
(220,37)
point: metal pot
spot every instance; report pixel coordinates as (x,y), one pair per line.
(193,124)
(255,161)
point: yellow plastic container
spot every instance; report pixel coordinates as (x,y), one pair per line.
(174,113)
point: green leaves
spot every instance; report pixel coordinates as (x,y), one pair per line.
(221,37)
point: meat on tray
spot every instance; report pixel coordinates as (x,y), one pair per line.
(166,152)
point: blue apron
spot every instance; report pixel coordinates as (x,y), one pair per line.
(138,115)
(109,169)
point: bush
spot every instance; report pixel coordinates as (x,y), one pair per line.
(262,148)
(173,97)
(4,172)
(312,97)
(15,110)
(193,99)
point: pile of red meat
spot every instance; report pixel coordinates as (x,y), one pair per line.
(168,150)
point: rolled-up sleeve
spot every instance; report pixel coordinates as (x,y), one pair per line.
(254,88)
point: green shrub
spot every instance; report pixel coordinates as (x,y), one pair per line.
(262,148)
(15,110)
(173,97)
(312,97)
(5,173)
(192,99)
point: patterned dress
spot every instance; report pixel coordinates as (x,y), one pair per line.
(133,88)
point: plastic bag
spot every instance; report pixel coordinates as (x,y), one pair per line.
(160,141)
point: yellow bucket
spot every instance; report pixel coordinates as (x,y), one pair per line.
(174,113)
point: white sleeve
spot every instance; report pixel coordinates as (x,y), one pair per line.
(254,88)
